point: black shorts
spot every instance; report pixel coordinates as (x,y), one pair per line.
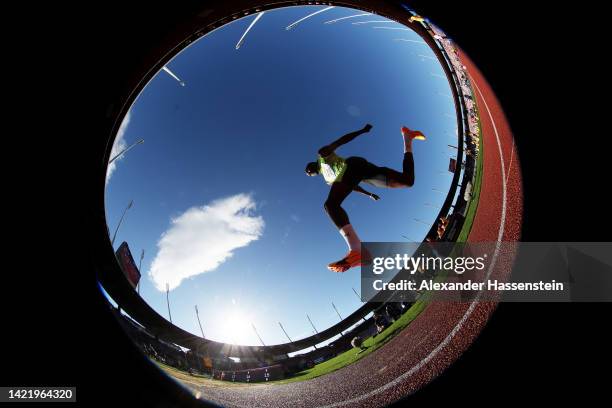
(359,169)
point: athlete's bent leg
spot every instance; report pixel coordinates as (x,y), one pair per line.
(396,179)
(338,192)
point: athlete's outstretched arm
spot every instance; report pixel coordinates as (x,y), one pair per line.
(365,192)
(329,149)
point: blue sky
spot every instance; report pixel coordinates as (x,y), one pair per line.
(219,184)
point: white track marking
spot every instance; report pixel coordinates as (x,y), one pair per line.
(511,157)
(501,158)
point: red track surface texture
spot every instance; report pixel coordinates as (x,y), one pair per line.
(443,331)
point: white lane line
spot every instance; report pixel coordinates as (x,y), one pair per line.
(501,158)
(468,313)
(511,157)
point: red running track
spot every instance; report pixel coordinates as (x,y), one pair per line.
(443,331)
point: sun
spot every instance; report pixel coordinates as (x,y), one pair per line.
(236,327)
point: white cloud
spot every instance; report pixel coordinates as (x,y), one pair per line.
(202,238)
(118,146)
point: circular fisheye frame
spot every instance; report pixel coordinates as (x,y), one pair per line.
(236,273)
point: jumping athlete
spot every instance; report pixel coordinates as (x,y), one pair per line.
(344,176)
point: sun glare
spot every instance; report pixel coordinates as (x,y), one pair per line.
(236,327)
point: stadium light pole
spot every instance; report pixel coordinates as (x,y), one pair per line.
(374,21)
(139,268)
(290,26)
(313,326)
(199,323)
(120,221)
(173,75)
(344,18)
(359,297)
(338,313)
(125,150)
(257,334)
(415,42)
(241,40)
(168,301)
(434,59)
(422,222)
(392,28)
(283,329)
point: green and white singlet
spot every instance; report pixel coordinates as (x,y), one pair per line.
(332,167)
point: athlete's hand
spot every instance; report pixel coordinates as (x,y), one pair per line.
(374,197)
(367,128)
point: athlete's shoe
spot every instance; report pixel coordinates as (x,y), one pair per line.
(412,134)
(352,259)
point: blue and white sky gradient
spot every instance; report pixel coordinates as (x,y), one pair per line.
(222,207)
